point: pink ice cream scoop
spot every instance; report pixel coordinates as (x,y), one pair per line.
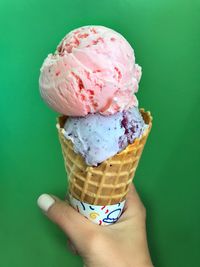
(92,71)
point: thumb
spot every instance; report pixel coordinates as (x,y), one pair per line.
(75,226)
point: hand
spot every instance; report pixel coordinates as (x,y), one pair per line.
(122,244)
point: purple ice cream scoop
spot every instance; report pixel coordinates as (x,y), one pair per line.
(97,137)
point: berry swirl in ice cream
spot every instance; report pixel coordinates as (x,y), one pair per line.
(92,71)
(97,137)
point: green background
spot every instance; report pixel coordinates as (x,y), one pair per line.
(166,39)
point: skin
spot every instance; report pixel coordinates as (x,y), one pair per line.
(122,244)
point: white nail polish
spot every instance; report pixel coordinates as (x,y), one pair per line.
(45,201)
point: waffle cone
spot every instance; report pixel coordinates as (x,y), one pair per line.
(108,183)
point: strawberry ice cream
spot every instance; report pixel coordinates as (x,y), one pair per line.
(92,71)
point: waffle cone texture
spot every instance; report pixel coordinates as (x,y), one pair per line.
(107,183)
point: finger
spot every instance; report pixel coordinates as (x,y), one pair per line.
(76,226)
(72,247)
(133,197)
(133,204)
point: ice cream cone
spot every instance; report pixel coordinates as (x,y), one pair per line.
(107,183)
